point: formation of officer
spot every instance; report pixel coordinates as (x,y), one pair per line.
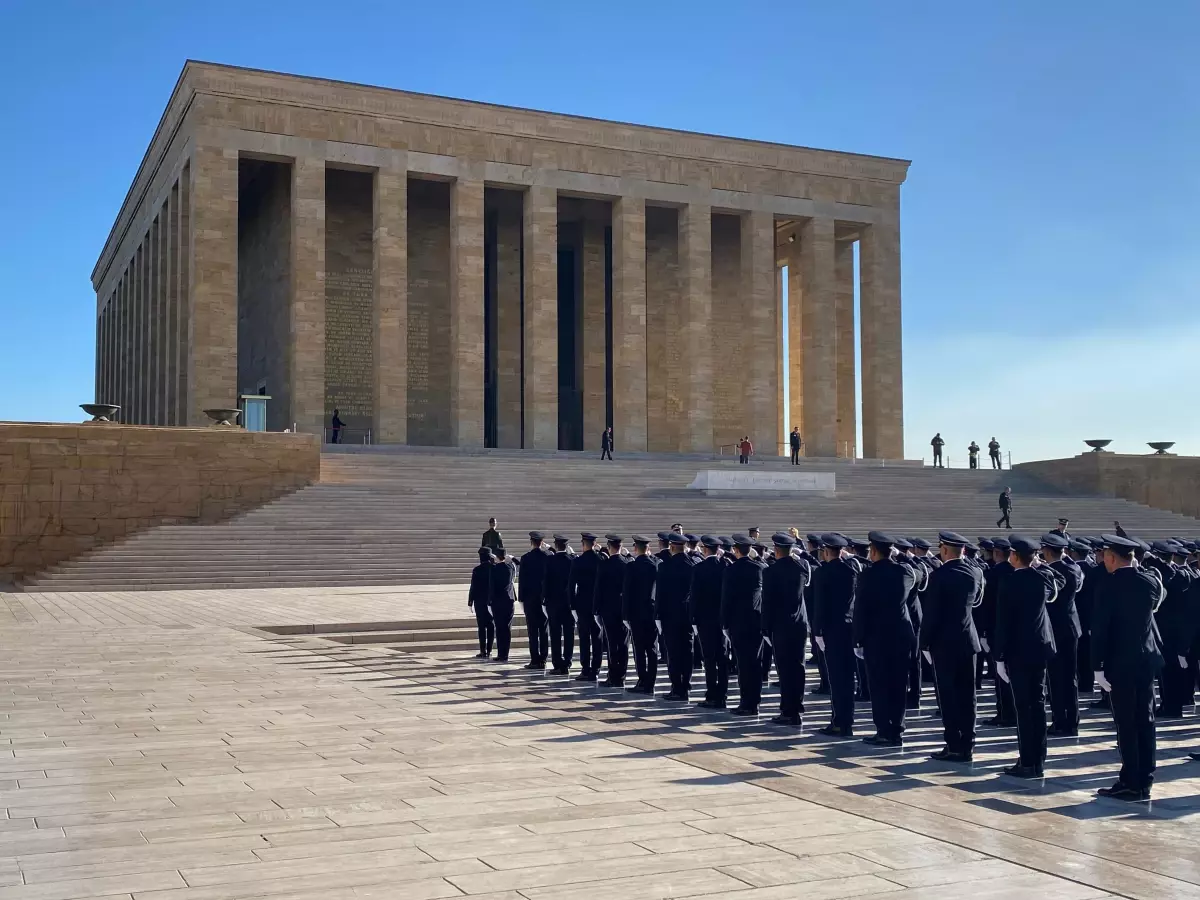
(1046,616)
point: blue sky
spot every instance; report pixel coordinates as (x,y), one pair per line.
(1051,219)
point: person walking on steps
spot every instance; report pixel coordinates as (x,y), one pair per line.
(1005,509)
(794,442)
(937,444)
(994,453)
(606,443)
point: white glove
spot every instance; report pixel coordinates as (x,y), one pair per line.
(725,631)
(928,656)
(599,621)
(575,615)
(768,641)
(625,622)
(983,642)
(1103,682)
(1183,663)
(820,639)
(658,625)
(1002,671)
(696,630)
(858,651)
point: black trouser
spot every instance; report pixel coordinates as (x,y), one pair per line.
(789,661)
(1004,699)
(485,626)
(1133,712)
(937,457)
(677,635)
(1028,686)
(840,665)
(745,647)
(605,453)
(822,665)
(887,671)
(1087,678)
(590,646)
(742,458)
(913,693)
(562,636)
(1003,521)
(538,630)
(335,436)
(502,616)
(955,674)
(974,463)
(766,656)
(1063,674)
(995,460)
(864,681)
(1174,682)
(795,456)
(716,663)
(645,651)
(616,636)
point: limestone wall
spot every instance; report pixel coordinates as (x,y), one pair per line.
(1163,482)
(65,489)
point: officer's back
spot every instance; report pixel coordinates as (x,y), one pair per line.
(833,586)
(674,582)
(741,596)
(1023,631)
(1125,639)
(705,593)
(783,595)
(954,589)
(503,575)
(881,616)
(610,579)
(637,595)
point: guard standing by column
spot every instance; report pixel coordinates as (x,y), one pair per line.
(785,625)
(637,605)
(833,586)
(741,616)
(705,608)
(582,589)
(558,605)
(1063,674)
(610,582)
(533,585)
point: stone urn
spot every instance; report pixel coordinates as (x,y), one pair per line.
(223,418)
(100,412)
(1160,448)
(1097,446)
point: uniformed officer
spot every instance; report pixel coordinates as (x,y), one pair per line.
(1174,620)
(704,605)
(558,605)
(785,625)
(1080,552)
(672,586)
(693,546)
(741,617)
(912,698)
(812,554)
(582,589)
(949,642)
(606,606)
(532,569)
(884,636)
(1063,673)
(693,550)
(638,612)
(833,585)
(1006,716)
(664,545)
(503,599)
(477,599)
(1061,529)
(1125,659)
(1023,646)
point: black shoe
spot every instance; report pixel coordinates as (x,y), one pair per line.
(941,755)
(482,655)
(997,722)
(1020,771)
(889,742)
(1062,732)
(675,697)
(835,731)
(820,690)
(610,683)
(1120,792)
(789,721)
(743,711)
(1195,754)
(585,675)
(501,659)
(535,666)
(639,689)
(959,757)
(1116,788)
(873,739)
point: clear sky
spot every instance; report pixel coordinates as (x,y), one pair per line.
(1051,218)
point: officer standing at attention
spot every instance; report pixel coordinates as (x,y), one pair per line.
(1001,568)
(610,581)
(883,634)
(741,617)
(794,444)
(558,606)
(672,585)
(503,594)
(1173,618)
(785,625)
(1064,620)
(937,444)
(1125,659)
(1023,646)
(912,697)
(973,454)
(477,599)
(1080,552)
(664,545)
(994,452)
(582,589)
(637,609)
(1061,529)
(491,538)
(533,587)
(949,642)
(705,609)
(833,585)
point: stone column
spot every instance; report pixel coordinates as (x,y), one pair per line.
(183,280)
(595,388)
(119,349)
(306,359)
(695,271)
(764,345)
(508,276)
(820,350)
(466,313)
(882,377)
(795,366)
(390,235)
(541,318)
(629,323)
(141,370)
(171,335)
(847,403)
(98,377)
(153,344)
(212,345)
(781,374)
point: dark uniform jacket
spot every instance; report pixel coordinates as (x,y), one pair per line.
(783,596)
(492,540)
(704,599)
(920,579)
(1023,633)
(610,581)
(533,575)
(985,613)
(954,590)
(881,620)
(1174,615)
(637,596)
(1064,618)
(741,597)
(674,583)
(481,577)
(1005,501)
(1125,641)
(502,589)
(582,584)
(1083,597)
(833,585)
(557,582)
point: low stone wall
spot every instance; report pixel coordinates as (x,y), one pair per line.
(1163,482)
(65,489)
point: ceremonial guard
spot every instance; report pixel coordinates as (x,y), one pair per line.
(833,586)
(705,609)
(1023,646)
(610,581)
(582,589)
(637,607)
(1080,552)
(785,625)
(1174,620)
(533,587)
(672,585)
(558,605)
(741,617)
(477,599)
(1063,673)
(1125,659)
(503,594)
(1001,568)
(949,642)
(912,699)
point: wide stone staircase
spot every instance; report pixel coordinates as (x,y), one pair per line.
(404,515)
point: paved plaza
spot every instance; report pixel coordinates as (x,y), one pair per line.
(155,745)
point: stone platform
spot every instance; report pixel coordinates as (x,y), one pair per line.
(152,746)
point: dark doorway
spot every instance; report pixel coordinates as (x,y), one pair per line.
(570,387)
